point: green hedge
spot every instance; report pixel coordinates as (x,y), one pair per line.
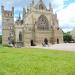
(0,39)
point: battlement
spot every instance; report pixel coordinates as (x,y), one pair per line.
(7,13)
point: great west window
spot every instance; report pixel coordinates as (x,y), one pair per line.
(42,23)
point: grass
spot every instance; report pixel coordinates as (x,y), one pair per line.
(0,45)
(14,61)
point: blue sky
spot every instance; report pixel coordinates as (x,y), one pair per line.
(65,10)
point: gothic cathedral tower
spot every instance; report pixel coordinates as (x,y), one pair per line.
(7,25)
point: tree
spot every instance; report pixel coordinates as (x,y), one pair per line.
(67,37)
(0,39)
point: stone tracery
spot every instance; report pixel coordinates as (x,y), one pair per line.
(43,23)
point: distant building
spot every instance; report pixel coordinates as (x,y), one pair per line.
(38,24)
(72,33)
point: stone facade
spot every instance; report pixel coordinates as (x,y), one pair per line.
(73,34)
(7,25)
(38,24)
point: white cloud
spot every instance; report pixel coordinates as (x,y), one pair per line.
(0,18)
(57,4)
(66,17)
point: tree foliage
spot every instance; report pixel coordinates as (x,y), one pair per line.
(67,37)
(0,39)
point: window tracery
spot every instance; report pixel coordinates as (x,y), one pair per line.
(43,23)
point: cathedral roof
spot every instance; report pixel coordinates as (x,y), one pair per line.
(40,5)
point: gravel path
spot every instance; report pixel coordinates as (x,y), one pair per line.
(64,47)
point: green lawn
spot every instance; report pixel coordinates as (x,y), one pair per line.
(36,62)
(0,45)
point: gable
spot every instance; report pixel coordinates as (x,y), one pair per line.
(40,5)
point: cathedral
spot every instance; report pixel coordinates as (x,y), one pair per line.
(38,25)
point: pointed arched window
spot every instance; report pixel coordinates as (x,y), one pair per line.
(43,23)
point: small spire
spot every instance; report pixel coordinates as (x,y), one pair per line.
(19,17)
(2,7)
(41,1)
(50,7)
(32,2)
(55,14)
(24,11)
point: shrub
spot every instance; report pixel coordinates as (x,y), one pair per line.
(0,39)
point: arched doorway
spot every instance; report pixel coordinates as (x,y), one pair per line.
(57,41)
(32,43)
(46,41)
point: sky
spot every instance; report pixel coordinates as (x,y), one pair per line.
(65,10)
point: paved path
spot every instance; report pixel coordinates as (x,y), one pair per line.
(64,46)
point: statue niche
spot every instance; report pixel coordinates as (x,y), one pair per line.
(20,36)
